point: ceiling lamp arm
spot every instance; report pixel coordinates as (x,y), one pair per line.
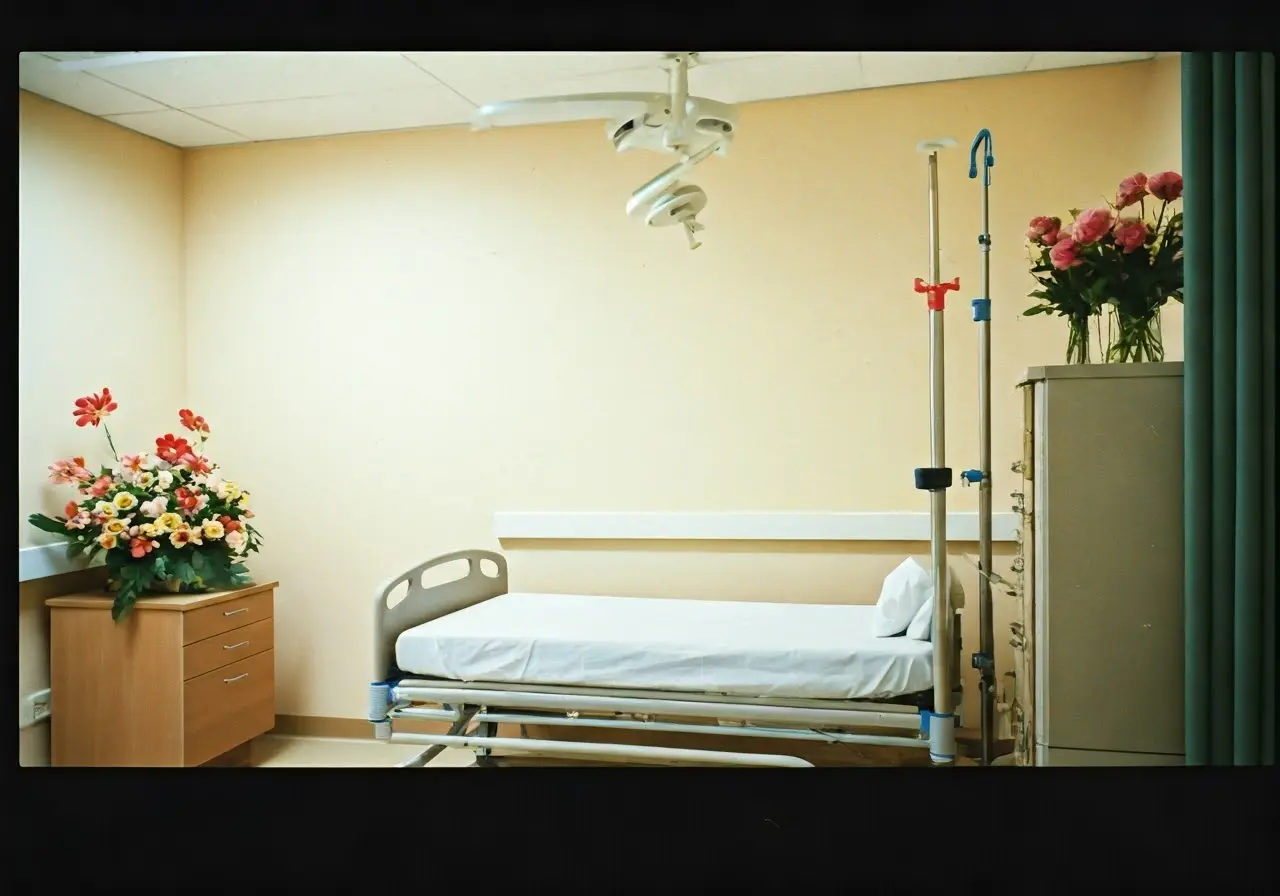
(678,81)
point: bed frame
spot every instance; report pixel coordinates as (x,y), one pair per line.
(474,710)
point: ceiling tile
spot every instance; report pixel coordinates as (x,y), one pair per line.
(764,77)
(176,128)
(490,77)
(1043,61)
(383,111)
(495,76)
(885,69)
(40,74)
(236,78)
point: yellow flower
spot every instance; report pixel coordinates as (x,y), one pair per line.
(145,479)
(105,510)
(169,522)
(115,527)
(184,536)
(244,500)
(228,490)
(107,540)
(150,530)
(213,530)
(124,502)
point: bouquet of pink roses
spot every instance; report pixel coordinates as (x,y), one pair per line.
(1105,259)
(165,520)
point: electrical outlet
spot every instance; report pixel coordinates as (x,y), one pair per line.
(34,707)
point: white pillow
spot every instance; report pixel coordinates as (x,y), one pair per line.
(904,592)
(921,626)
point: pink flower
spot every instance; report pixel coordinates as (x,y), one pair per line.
(79,521)
(1064,254)
(235,540)
(1131,191)
(1091,225)
(63,472)
(1166,186)
(100,486)
(1130,234)
(1044,230)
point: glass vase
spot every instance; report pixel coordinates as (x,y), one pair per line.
(1078,346)
(1134,340)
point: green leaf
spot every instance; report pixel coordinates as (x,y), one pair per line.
(197,560)
(158,567)
(1037,309)
(182,571)
(48,524)
(76,548)
(237,569)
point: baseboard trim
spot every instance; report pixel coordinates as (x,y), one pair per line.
(45,560)
(743,526)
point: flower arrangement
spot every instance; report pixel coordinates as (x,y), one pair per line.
(165,520)
(1106,260)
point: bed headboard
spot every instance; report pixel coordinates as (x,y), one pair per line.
(422,604)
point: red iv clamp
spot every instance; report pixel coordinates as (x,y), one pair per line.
(937,292)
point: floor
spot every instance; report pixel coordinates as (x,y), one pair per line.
(275,751)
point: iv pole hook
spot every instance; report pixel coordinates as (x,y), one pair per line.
(988,161)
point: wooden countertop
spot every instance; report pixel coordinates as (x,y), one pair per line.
(100,600)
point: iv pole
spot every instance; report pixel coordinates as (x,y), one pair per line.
(984,659)
(936,479)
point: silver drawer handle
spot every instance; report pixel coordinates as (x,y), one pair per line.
(234,646)
(237,678)
(234,612)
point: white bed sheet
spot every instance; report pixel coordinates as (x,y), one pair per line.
(815,651)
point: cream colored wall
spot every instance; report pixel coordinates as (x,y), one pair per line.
(395,335)
(99,304)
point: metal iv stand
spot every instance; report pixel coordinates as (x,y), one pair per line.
(984,659)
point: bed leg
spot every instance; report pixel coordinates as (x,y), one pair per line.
(484,756)
(940,729)
(379,705)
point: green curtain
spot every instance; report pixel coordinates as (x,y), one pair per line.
(1229,233)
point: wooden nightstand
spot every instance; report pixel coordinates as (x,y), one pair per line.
(183,680)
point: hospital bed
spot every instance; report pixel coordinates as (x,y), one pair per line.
(482,656)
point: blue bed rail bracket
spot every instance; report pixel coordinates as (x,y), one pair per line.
(971,477)
(981,308)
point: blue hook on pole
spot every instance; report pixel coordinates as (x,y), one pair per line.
(988,161)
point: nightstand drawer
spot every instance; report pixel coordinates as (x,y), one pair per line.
(207,622)
(226,707)
(226,648)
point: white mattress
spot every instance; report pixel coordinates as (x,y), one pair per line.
(702,646)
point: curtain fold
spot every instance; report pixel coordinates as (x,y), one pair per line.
(1228,146)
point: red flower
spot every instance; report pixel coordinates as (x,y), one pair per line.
(228,523)
(170,449)
(71,509)
(93,409)
(193,422)
(196,464)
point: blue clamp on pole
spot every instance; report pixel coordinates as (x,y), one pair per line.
(988,161)
(971,476)
(981,309)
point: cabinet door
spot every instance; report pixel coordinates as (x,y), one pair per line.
(1023,631)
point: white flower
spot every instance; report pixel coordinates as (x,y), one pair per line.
(236,541)
(155,507)
(164,479)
